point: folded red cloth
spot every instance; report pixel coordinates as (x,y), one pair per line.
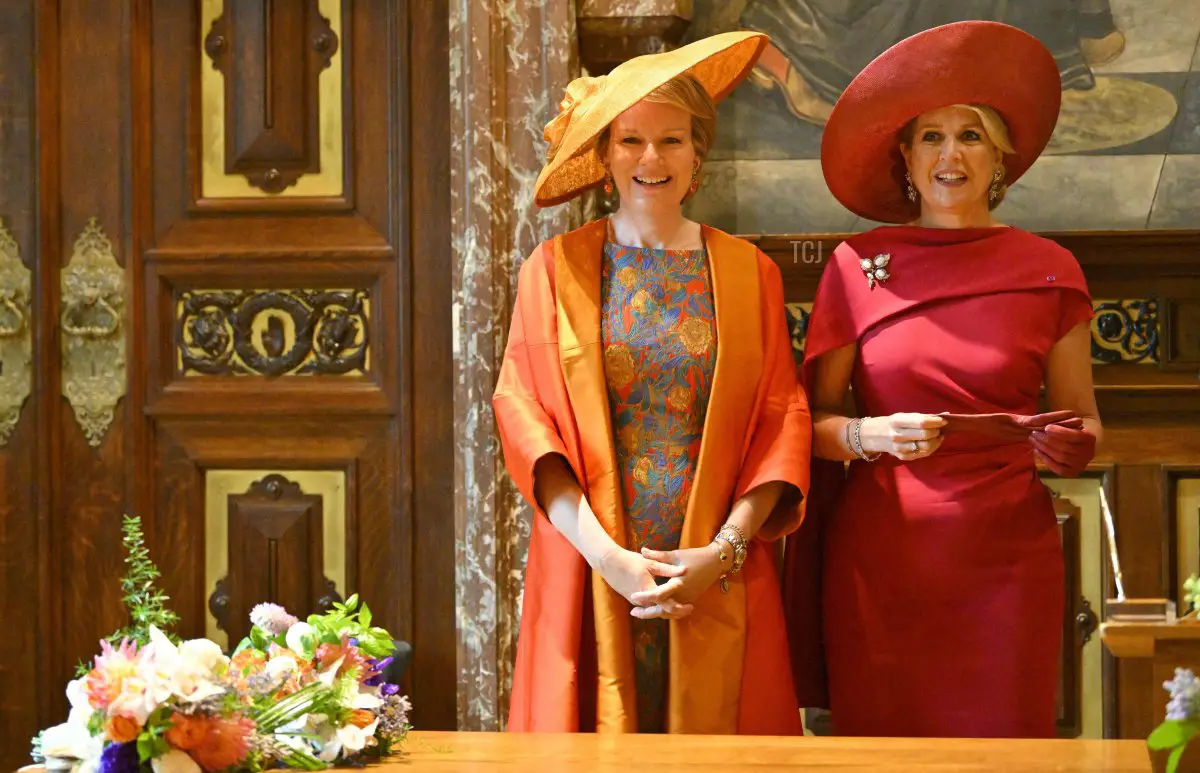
(1007,426)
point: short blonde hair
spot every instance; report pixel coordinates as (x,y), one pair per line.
(685,92)
(997,132)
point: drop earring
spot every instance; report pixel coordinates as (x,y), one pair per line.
(909,190)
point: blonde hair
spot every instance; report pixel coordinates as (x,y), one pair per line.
(685,92)
(993,125)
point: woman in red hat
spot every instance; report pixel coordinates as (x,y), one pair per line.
(925,588)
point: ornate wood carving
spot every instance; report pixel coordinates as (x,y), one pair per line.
(275,553)
(1125,331)
(272,332)
(218,604)
(272,118)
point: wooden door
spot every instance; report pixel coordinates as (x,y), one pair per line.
(234,219)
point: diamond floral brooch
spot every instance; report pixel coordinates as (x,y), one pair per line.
(876,269)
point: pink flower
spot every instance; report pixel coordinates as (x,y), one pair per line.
(106,681)
(272,618)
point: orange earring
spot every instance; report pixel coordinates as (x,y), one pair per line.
(608,183)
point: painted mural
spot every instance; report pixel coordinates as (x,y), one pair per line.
(1125,154)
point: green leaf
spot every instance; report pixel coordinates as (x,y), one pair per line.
(1173,760)
(258,638)
(352,601)
(1172,733)
(145,747)
(364,617)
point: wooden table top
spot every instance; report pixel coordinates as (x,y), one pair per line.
(588,753)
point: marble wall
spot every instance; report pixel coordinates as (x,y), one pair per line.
(510,62)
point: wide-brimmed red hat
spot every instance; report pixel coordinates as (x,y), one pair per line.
(970,62)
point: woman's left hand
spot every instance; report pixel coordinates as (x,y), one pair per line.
(704,567)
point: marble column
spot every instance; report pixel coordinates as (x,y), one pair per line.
(510,62)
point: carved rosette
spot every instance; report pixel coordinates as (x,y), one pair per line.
(273,332)
(1125,331)
(16,336)
(93,350)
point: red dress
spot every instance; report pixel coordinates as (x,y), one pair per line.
(927,596)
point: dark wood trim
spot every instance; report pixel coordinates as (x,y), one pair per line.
(139,206)
(20,654)
(47,382)
(426,126)
(1172,474)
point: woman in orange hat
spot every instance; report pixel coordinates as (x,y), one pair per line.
(927,581)
(649,411)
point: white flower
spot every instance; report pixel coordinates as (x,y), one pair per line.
(72,741)
(284,663)
(295,638)
(81,710)
(71,746)
(186,671)
(354,738)
(175,761)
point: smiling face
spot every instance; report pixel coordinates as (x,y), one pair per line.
(651,156)
(951,160)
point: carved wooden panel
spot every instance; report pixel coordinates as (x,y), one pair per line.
(275,553)
(1183,335)
(271,53)
(272,332)
(124,140)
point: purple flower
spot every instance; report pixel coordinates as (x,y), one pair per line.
(119,758)
(272,618)
(375,669)
(389,689)
(1185,695)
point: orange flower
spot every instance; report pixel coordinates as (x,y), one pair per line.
(362,718)
(187,732)
(225,744)
(122,729)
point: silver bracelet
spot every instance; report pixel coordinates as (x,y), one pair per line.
(857,449)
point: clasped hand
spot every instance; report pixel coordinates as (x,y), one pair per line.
(689,573)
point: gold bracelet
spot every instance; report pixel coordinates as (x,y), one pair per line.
(732,536)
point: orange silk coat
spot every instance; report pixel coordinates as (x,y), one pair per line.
(729,669)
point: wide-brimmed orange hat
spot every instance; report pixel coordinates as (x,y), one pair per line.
(970,62)
(719,62)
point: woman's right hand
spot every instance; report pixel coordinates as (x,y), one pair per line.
(906,436)
(628,573)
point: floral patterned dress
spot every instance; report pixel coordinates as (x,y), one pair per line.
(660,346)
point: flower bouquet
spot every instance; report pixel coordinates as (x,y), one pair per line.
(294,694)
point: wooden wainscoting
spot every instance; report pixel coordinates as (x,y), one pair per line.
(240,264)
